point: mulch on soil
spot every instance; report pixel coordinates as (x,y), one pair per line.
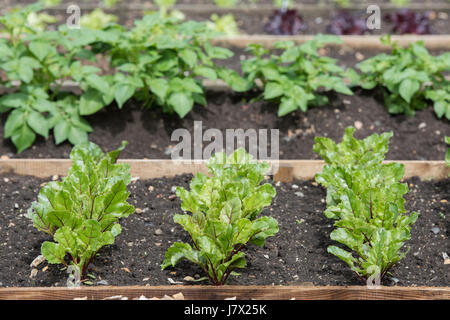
(296,255)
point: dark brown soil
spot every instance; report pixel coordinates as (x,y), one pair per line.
(149,131)
(296,255)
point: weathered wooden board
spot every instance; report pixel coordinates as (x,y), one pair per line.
(355,42)
(240,292)
(256,8)
(150,169)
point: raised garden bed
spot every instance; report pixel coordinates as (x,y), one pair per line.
(135,259)
(149,131)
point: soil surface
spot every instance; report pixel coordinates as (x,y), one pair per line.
(149,131)
(296,255)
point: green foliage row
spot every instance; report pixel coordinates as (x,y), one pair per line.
(162,61)
(222,209)
(366,200)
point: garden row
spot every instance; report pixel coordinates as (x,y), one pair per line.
(365,213)
(152,64)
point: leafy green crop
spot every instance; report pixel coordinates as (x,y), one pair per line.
(82,211)
(225,209)
(295,76)
(366,200)
(225,24)
(161,61)
(40,63)
(408,77)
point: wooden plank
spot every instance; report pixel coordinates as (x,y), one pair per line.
(437,41)
(252,8)
(240,292)
(150,169)
(354,41)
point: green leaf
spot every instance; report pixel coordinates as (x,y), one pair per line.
(408,88)
(181,102)
(99,83)
(23,137)
(52,252)
(159,87)
(123,92)
(40,49)
(287,106)
(38,123)
(61,131)
(91,102)
(272,90)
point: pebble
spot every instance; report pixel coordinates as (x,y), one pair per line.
(158,232)
(358,125)
(395,280)
(173,189)
(103,282)
(33,273)
(188,278)
(359,56)
(435,230)
(318,20)
(139,210)
(294,186)
(422,125)
(299,194)
(151,188)
(6,180)
(37,261)
(55,177)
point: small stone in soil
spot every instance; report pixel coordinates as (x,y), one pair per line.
(139,210)
(435,230)
(33,273)
(158,232)
(103,282)
(188,278)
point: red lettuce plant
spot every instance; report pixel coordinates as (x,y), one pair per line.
(407,21)
(345,23)
(285,22)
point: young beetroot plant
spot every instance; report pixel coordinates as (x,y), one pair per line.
(366,200)
(81,212)
(224,215)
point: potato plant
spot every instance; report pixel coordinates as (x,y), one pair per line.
(294,77)
(224,215)
(162,61)
(81,212)
(409,78)
(366,200)
(39,63)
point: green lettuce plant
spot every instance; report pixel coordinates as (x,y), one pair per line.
(82,211)
(366,200)
(224,215)
(294,77)
(409,77)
